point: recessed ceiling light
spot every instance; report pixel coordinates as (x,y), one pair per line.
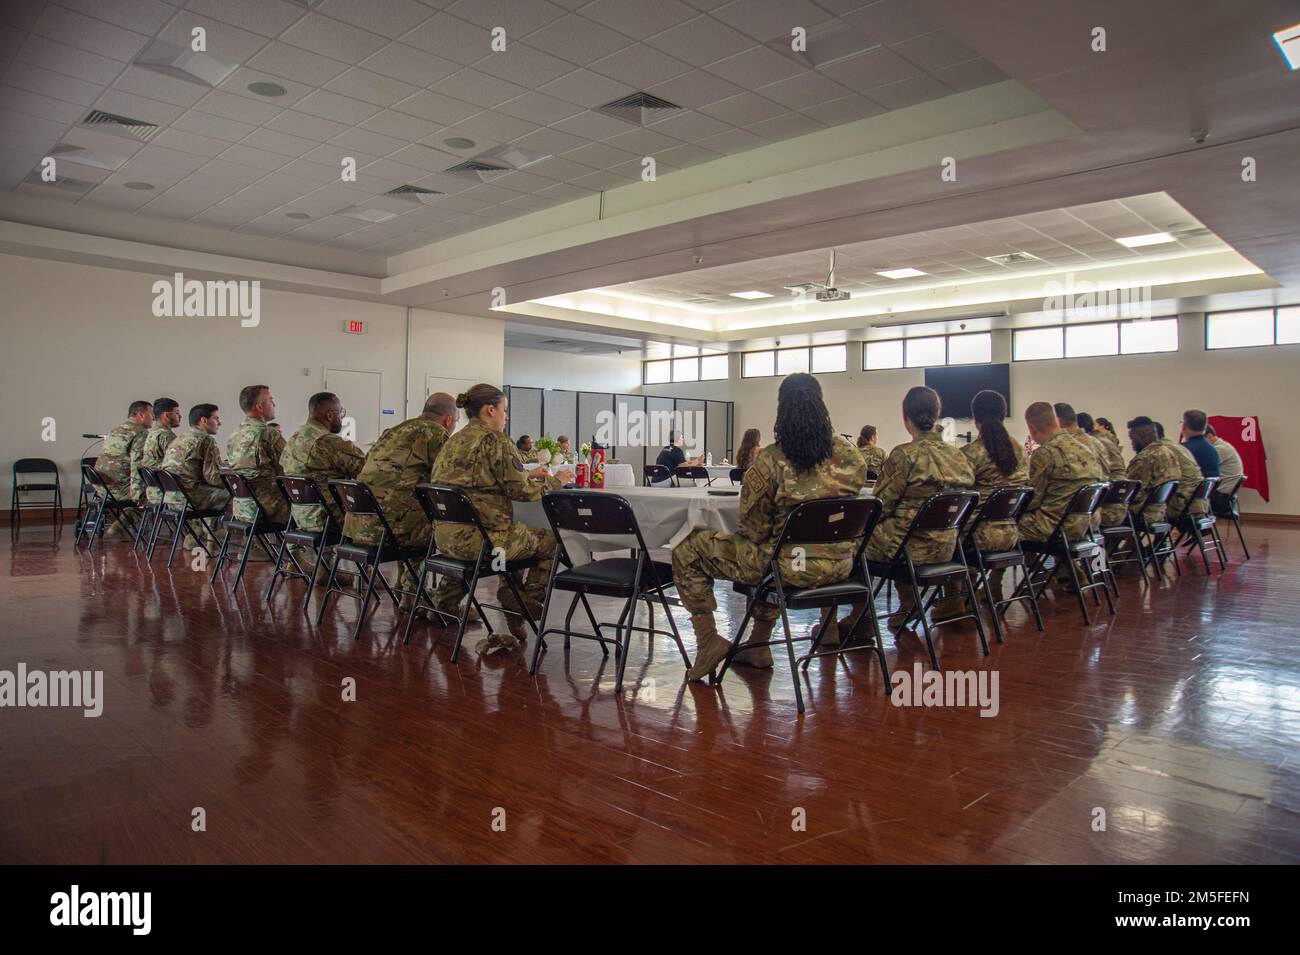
(262,88)
(1288,41)
(750,294)
(901,273)
(459,142)
(138,185)
(1153,238)
(296,215)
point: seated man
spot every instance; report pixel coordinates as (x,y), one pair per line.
(1229,459)
(807,462)
(317,451)
(1194,440)
(1109,456)
(526,452)
(1189,476)
(1154,464)
(254,451)
(166,416)
(872,452)
(672,456)
(196,462)
(402,458)
(119,460)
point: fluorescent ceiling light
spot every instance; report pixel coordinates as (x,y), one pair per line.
(754,294)
(1288,41)
(901,273)
(1137,241)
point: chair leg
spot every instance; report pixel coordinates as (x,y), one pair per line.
(672,624)
(182,525)
(330,589)
(595,627)
(623,636)
(1240,536)
(276,572)
(222,556)
(735,641)
(415,607)
(789,649)
(1219,548)
(993,603)
(249,538)
(470,586)
(919,609)
(546,605)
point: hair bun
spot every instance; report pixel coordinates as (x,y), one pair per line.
(461,399)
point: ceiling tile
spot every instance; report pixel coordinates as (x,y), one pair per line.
(601,181)
(312,172)
(587,89)
(281,143)
(919,89)
(599,155)
(701,41)
(743,109)
(33,104)
(427,159)
(331,38)
(523,65)
(871,69)
(392,18)
(566,192)
(35,79)
(169,89)
(368,142)
(371,87)
(934,51)
(281,59)
(689,126)
(890,21)
(770,19)
(89,34)
(333,154)
(478,88)
(436,107)
(755,67)
(172,158)
(450,37)
(239,81)
(342,109)
(637,18)
(409,65)
(142,16)
(194,143)
(592,125)
(640,66)
(552,142)
(785,127)
(846,109)
(386,174)
(224,41)
(314,128)
(538,108)
(687,154)
(577,39)
(559,169)
(235,107)
(802,91)
(400,125)
(733,141)
(695,89)
(516,18)
(62,58)
(643,142)
(971,74)
(266,17)
(502,128)
(248,155)
(209,124)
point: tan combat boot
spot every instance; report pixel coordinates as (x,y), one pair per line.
(710,647)
(760,658)
(905,598)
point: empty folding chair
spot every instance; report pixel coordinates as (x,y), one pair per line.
(840,520)
(353,497)
(444,504)
(1002,504)
(946,511)
(1150,533)
(1086,551)
(656,475)
(692,472)
(1200,531)
(1223,504)
(105,509)
(628,578)
(737,476)
(1121,492)
(20,487)
(180,514)
(302,491)
(259,528)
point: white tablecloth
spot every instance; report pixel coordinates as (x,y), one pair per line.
(616,475)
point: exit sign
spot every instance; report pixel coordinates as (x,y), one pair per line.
(353,327)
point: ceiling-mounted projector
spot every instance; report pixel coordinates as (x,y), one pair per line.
(822,291)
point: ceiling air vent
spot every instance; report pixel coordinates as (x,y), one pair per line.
(637,108)
(414,193)
(1013,258)
(475,166)
(78,186)
(104,122)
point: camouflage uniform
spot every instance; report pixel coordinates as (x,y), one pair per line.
(1112,465)
(195,460)
(156,443)
(1189,475)
(529,456)
(875,456)
(771,489)
(1057,469)
(913,471)
(1111,437)
(254,452)
(119,461)
(1153,465)
(1000,535)
(317,453)
(485,464)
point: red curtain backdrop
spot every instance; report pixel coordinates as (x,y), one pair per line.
(1244,434)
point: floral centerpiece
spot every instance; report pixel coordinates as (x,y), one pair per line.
(546,448)
(585,451)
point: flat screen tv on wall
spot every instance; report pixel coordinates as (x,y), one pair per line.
(958,384)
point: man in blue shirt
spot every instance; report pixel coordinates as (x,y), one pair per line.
(1194,440)
(672,456)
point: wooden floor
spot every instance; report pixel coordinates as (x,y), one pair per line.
(1179,717)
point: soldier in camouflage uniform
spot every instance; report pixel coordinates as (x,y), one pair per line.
(195,460)
(1112,463)
(808,462)
(318,452)
(481,460)
(254,451)
(166,416)
(1154,464)
(1106,431)
(403,457)
(872,453)
(527,453)
(119,460)
(1189,476)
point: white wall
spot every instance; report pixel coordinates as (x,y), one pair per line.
(1250,381)
(540,368)
(80,343)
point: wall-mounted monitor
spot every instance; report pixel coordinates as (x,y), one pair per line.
(958,384)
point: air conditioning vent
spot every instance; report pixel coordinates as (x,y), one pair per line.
(1013,258)
(414,193)
(104,122)
(697,301)
(475,166)
(637,108)
(78,186)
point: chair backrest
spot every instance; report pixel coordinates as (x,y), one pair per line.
(1087,499)
(1160,494)
(738,475)
(693,472)
(299,490)
(448,505)
(170,483)
(945,511)
(91,476)
(593,514)
(831,520)
(353,497)
(1121,492)
(656,474)
(149,477)
(1203,490)
(873,475)
(237,486)
(85,461)
(38,466)
(1229,487)
(1004,504)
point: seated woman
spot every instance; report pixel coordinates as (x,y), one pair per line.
(481,460)
(807,462)
(997,462)
(750,445)
(872,452)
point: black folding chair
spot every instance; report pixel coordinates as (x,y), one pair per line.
(444,504)
(836,520)
(1223,504)
(945,511)
(737,475)
(1003,504)
(1200,531)
(629,578)
(1120,492)
(36,466)
(303,491)
(179,516)
(259,528)
(657,474)
(148,508)
(1151,534)
(85,493)
(692,472)
(106,507)
(1085,551)
(353,497)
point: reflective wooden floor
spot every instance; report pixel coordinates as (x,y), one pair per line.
(1179,717)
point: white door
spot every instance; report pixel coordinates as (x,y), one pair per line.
(452,386)
(362,395)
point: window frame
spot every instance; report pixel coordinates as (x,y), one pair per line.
(1064,329)
(1274,309)
(947,351)
(804,348)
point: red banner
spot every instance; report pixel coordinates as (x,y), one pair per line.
(1243,433)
